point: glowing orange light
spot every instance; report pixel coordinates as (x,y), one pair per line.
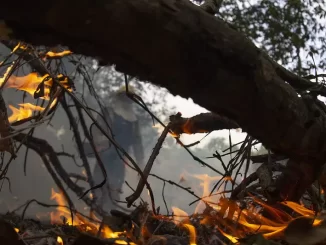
(192,233)
(19,46)
(79,221)
(25,110)
(59,240)
(249,220)
(29,83)
(59,54)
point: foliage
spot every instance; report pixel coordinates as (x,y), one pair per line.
(286,30)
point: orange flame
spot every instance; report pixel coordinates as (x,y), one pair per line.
(25,111)
(59,240)
(19,46)
(181,218)
(249,220)
(59,54)
(160,129)
(29,83)
(192,232)
(80,222)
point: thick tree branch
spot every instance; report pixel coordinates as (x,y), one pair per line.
(211,6)
(176,45)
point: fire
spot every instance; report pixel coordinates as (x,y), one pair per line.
(80,222)
(192,232)
(59,240)
(181,218)
(30,83)
(19,46)
(234,223)
(160,129)
(25,111)
(59,54)
(238,223)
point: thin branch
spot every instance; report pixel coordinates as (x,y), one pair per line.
(201,123)
(130,199)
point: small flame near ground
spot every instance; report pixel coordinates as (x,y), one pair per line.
(59,240)
(249,220)
(62,212)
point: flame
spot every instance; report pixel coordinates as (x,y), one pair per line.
(206,182)
(80,222)
(234,223)
(192,232)
(160,130)
(17,230)
(59,54)
(25,111)
(59,240)
(179,216)
(19,46)
(30,84)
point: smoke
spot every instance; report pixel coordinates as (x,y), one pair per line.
(173,163)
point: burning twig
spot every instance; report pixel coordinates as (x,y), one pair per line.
(201,123)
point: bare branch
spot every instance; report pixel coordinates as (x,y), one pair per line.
(133,197)
(201,123)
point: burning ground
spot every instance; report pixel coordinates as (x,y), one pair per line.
(222,222)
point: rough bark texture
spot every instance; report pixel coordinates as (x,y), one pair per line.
(201,123)
(179,46)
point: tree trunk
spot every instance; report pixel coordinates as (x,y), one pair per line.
(177,45)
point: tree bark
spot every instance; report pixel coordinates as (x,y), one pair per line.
(177,45)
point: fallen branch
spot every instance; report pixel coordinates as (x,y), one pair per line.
(201,123)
